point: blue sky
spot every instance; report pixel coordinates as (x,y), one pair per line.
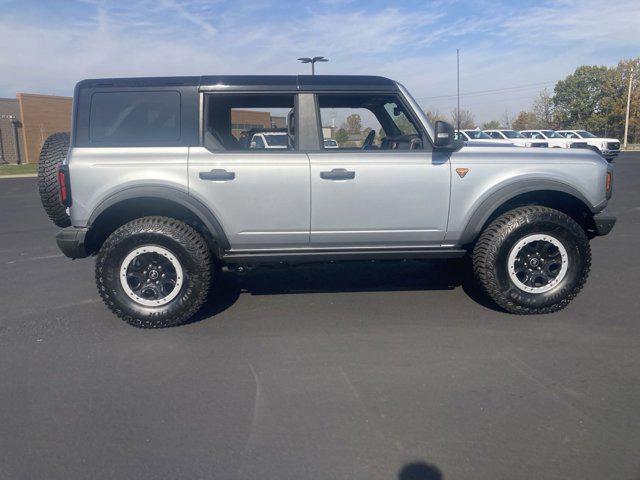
(517,46)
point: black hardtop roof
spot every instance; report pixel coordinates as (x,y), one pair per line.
(253,82)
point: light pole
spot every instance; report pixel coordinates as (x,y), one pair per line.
(312,61)
(626,121)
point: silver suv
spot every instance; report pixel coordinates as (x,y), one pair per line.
(155,180)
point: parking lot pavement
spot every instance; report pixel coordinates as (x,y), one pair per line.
(356,371)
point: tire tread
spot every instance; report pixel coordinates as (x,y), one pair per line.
(191,241)
(485,253)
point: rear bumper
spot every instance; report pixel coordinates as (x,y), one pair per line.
(70,241)
(603,223)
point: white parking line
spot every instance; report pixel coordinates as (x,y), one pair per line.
(33,259)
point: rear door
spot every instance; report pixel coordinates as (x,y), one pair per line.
(374,191)
(260,196)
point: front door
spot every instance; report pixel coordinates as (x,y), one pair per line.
(258,190)
(383,187)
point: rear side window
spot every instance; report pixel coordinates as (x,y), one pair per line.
(249,121)
(125,118)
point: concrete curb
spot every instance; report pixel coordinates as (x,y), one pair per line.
(21,175)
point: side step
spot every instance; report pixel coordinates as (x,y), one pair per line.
(338,255)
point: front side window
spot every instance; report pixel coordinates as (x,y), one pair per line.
(514,134)
(476,134)
(551,134)
(367,122)
(249,122)
(125,118)
(585,134)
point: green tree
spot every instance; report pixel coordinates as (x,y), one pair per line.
(614,103)
(467,120)
(578,99)
(434,116)
(405,126)
(507,119)
(525,121)
(491,125)
(342,137)
(542,108)
(353,124)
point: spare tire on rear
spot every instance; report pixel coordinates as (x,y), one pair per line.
(53,153)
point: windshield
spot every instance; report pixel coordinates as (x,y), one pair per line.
(476,134)
(330,143)
(585,134)
(276,140)
(512,134)
(551,134)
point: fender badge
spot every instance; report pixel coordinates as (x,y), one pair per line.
(462,171)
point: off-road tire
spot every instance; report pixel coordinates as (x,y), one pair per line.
(53,153)
(181,240)
(491,252)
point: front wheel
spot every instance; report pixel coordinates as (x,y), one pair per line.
(532,260)
(154,272)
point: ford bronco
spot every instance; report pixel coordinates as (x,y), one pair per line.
(154,181)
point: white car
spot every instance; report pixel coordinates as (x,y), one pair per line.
(330,143)
(478,137)
(516,138)
(607,147)
(553,138)
(270,140)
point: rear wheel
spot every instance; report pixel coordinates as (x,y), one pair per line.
(532,260)
(154,272)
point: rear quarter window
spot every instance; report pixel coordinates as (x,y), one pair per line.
(134,118)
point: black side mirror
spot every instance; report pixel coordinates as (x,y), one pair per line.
(445,135)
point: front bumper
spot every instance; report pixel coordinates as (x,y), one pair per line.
(70,241)
(603,223)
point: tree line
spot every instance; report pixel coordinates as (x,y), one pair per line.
(592,98)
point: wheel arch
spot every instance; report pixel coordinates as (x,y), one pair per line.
(131,203)
(546,193)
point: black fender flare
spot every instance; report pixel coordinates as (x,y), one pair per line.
(171,194)
(510,191)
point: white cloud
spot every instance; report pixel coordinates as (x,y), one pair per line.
(414,46)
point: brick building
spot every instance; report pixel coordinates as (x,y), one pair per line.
(243,120)
(31,118)
(11,148)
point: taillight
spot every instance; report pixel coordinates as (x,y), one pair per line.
(609,184)
(65,186)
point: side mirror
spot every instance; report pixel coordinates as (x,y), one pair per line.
(445,135)
(253,144)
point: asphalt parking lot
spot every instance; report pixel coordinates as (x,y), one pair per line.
(352,371)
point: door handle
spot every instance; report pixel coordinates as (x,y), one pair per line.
(217,174)
(338,174)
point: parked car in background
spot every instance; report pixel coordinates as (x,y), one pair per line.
(330,143)
(515,138)
(275,140)
(553,138)
(478,137)
(607,147)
